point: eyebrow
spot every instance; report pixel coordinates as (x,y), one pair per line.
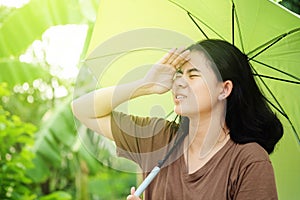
(188,71)
(193,70)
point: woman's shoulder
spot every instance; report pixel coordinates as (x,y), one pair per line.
(128,123)
(140,120)
(249,153)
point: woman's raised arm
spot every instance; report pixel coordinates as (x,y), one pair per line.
(94,109)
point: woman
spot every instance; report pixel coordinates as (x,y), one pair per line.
(231,128)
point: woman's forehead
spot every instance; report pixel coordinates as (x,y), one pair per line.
(198,60)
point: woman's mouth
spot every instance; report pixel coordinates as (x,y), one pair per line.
(179,98)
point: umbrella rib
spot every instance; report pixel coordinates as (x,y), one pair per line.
(193,16)
(232,21)
(169,114)
(276,108)
(189,14)
(270,43)
(106,55)
(277,79)
(280,109)
(269,90)
(273,68)
(239,27)
(293,127)
(121,52)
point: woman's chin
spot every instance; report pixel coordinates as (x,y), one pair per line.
(185,112)
(178,110)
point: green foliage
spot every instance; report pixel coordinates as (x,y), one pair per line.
(16,139)
(32,20)
(55,159)
(111,184)
(31,100)
(14,72)
(58,195)
(47,162)
(293,5)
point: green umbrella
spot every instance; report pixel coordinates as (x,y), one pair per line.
(130,35)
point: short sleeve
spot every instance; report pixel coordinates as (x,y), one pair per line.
(257,182)
(143,140)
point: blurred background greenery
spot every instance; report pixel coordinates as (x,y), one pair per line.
(41,45)
(41,157)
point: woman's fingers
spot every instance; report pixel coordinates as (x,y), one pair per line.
(132,190)
(131,196)
(176,57)
(171,55)
(181,59)
(166,57)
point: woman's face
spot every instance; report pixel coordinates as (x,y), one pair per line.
(195,87)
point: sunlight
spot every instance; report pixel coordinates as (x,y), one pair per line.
(61,47)
(13,3)
(59,51)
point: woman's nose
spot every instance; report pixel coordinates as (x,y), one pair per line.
(180,82)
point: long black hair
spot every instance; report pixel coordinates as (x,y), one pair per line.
(248,116)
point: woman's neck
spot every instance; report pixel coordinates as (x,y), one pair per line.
(207,131)
(206,137)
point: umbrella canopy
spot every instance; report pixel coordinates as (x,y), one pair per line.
(130,35)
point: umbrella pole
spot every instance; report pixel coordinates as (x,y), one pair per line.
(183,128)
(147,181)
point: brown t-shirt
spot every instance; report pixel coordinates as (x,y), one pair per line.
(237,171)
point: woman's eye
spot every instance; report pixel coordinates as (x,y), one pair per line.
(194,75)
(177,75)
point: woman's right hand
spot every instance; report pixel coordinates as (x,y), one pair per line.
(159,78)
(94,109)
(132,196)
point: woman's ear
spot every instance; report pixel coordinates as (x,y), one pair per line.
(226,89)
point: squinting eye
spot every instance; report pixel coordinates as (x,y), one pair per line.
(177,75)
(194,75)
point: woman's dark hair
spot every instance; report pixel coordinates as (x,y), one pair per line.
(248,116)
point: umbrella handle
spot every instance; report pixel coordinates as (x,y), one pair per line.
(147,181)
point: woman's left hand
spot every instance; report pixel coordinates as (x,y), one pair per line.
(132,196)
